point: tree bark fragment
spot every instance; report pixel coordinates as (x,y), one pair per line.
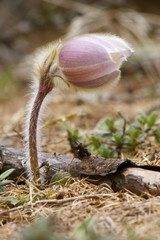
(119,174)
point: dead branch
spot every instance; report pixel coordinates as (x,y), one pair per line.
(117,173)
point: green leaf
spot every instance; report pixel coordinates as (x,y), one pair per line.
(105,152)
(142,118)
(152,119)
(131,143)
(106,124)
(11,200)
(95,143)
(61,178)
(74,135)
(111,125)
(118,139)
(133,132)
(6,174)
(119,123)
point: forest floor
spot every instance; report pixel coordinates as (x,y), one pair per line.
(124,215)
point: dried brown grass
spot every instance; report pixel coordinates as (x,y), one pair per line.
(116,212)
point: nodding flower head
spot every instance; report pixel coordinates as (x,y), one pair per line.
(92,60)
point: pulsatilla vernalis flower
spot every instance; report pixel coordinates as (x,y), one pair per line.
(87,62)
(92,60)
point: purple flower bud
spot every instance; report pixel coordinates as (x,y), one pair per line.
(93,60)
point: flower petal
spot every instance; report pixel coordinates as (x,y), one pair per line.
(78,53)
(93,60)
(94,83)
(87,73)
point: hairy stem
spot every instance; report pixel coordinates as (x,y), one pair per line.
(43,90)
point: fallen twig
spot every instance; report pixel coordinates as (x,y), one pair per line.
(117,173)
(54,201)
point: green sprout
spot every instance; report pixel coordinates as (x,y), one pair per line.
(4,182)
(110,137)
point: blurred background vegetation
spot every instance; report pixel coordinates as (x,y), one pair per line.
(27,25)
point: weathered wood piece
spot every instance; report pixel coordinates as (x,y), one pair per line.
(117,173)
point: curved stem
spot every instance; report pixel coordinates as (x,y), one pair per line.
(43,90)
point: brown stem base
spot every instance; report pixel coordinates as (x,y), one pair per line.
(33,153)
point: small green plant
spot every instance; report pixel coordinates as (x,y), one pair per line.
(9,200)
(110,137)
